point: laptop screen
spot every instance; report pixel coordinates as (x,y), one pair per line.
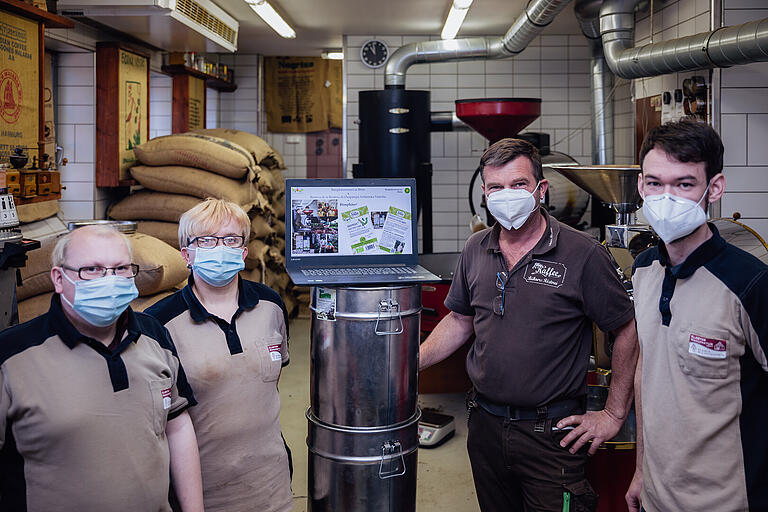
(350,219)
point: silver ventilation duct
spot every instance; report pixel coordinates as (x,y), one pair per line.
(723,47)
(537,15)
(601,83)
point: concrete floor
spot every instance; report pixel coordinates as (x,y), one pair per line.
(444,477)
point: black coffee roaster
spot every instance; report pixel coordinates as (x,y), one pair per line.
(395,143)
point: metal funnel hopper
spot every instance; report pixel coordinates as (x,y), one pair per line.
(613,184)
(497,118)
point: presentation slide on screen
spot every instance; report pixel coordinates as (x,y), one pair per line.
(350,221)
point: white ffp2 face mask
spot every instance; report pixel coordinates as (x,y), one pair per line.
(511,207)
(673,217)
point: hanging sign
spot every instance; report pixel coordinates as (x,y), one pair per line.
(133,98)
(19,83)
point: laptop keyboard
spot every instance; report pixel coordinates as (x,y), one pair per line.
(369,271)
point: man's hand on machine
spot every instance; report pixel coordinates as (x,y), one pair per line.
(595,426)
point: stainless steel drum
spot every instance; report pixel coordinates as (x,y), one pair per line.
(363,364)
(742,236)
(363,415)
(357,469)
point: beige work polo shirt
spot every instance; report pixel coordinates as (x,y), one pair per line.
(233,367)
(703,330)
(82,427)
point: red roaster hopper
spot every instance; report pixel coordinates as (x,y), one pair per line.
(497,118)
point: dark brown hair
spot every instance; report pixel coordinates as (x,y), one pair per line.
(504,151)
(687,141)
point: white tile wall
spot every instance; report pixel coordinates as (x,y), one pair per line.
(76,127)
(540,72)
(160,104)
(744,90)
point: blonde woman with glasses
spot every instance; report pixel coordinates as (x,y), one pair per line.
(232,339)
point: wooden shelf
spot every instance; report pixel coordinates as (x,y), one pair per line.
(210,80)
(50,20)
(37,199)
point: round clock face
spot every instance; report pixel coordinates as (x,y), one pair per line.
(374,53)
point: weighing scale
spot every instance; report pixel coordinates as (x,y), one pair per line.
(435,428)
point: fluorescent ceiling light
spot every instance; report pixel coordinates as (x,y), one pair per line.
(333,54)
(455,18)
(271,18)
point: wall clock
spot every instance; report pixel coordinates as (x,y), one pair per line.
(374,53)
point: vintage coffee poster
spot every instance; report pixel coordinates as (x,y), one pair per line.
(133,100)
(295,94)
(196,103)
(19,83)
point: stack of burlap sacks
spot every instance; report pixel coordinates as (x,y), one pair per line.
(180,171)
(163,271)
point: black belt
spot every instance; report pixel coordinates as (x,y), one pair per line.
(556,409)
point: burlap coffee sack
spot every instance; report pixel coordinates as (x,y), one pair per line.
(279,206)
(37,211)
(260,254)
(255,145)
(149,205)
(252,275)
(278,182)
(213,154)
(34,306)
(197,183)
(168,232)
(279,244)
(36,274)
(279,227)
(161,266)
(142,303)
(260,227)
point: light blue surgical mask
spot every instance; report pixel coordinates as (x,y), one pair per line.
(101,301)
(219,265)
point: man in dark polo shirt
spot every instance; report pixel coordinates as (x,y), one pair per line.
(92,398)
(529,288)
(702,319)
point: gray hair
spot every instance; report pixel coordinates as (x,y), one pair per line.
(59,255)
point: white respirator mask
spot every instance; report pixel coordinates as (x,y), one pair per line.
(673,217)
(511,207)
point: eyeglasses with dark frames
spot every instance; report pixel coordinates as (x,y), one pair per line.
(498,301)
(96,271)
(210,241)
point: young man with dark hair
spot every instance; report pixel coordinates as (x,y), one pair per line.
(529,288)
(701,385)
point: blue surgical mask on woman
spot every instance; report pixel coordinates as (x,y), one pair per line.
(101,301)
(219,265)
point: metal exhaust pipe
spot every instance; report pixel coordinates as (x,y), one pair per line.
(723,47)
(601,83)
(536,16)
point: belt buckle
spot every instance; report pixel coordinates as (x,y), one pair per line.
(513,413)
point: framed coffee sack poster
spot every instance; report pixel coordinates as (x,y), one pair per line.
(19,83)
(122,74)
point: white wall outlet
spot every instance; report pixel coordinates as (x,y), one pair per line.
(293,139)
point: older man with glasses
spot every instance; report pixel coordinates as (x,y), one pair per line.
(92,396)
(529,288)
(232,338)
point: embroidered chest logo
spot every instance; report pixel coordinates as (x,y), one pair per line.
(548,273)
(274,352)
(166,394)
(706,347)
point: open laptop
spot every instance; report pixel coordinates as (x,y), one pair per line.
(348,232)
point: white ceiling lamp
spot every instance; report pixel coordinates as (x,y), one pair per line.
(271,18)
(336,54)
(455,18)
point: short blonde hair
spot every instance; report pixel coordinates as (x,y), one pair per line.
(59,254)
(209,216)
